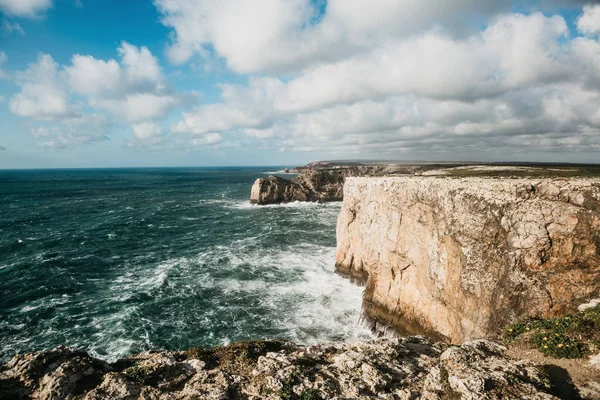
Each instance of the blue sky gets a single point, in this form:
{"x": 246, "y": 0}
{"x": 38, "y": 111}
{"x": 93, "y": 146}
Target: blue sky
{"x": 91, "y": 83}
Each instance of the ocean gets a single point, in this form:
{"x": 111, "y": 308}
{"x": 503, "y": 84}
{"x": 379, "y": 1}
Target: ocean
{"x": 121, "y": 261}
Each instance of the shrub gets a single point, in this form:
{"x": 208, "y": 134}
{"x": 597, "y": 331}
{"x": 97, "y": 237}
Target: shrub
{"x": 572, "y": 336}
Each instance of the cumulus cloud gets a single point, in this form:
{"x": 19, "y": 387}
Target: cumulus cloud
{"x": 134, "y": 89}
{"x": 43, "y": 95}
{"x": 147, "y": 130}
{"x": 589, "y": 22}
{"x": 131, "y": 90}
{"x": 287, "y": 35}
{"x": 521, "y": 83}
{"x": 24, "y": 8}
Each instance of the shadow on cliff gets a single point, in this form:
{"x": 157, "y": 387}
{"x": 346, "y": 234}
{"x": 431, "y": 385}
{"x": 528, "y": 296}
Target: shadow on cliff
{"x": 562, "y": 384}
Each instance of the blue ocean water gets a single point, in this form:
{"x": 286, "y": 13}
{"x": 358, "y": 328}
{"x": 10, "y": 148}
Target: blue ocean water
{"x": 122, "y": 261}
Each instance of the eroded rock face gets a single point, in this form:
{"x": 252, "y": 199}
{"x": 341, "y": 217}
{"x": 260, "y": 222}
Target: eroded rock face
{"x": 273, "y": 190}
{"x": 310, "y": 185}
{"x": 461, "y": 257}
{"x": 409, "y": 368}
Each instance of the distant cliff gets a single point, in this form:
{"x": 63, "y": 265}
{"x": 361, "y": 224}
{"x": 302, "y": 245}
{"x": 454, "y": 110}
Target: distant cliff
{"x": 318, "y": 181}
{"x": 459, "y": 258}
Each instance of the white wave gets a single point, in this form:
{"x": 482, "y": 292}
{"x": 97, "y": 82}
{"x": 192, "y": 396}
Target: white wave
{"x": 246, "y": 205}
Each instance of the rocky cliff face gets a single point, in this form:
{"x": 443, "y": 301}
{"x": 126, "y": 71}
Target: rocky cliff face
{"x": 317, "y": 183}
{"x": 461, "y": 257}
{"x": 409, "y": 368}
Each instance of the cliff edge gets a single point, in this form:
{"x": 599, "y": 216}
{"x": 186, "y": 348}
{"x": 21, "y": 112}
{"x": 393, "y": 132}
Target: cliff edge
{"x": 408, "y": 368}
{"x": 459, "y": 258}
{"x": 319, "y": 182}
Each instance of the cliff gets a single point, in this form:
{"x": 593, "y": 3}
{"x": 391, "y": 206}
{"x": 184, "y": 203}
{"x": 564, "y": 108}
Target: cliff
{"x": 459, "y": 258}
{"x": 317, "y": 182}
{"x": 409, "y": 368}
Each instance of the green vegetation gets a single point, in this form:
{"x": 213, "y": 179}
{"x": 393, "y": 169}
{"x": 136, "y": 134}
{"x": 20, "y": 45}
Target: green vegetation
{"x": 141, "y": 374}
{"x": 238, "y": 354}
{"x": 287, "y": 390}
{"x": 309, "y": 394}
{"x": 573, "y": 336}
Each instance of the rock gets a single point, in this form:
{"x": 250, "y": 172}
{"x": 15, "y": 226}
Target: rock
{"x": 405, "y": 368}
{"x": 314, "y": 183}
{"x": 274, "y": 190}
{"x": 459, "y": 258}
{"x": 590, "y": 304}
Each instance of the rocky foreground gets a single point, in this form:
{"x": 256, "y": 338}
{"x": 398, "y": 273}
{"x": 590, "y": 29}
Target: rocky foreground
{"x": 407, "y": 368}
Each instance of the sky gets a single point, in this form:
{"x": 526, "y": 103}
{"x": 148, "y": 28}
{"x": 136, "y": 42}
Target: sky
{"x": 113, "y": 83}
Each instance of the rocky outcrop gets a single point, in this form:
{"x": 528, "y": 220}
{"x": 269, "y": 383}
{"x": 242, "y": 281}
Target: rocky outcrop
{"x": 317, "y": 182}
{"x": 459, "y": 258}
{"x": 409, "y": 368}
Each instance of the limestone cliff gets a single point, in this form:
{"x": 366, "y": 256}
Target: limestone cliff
{"x": 461, "y": 257}
{"x": 318, "y": 182}
{"x": 408, "y": 368}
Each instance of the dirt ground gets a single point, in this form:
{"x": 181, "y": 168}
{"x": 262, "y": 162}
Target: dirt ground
{"x": 573, "y": 379}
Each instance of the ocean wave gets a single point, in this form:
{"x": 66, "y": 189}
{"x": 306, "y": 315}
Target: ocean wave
{"x": 246, "y": 205}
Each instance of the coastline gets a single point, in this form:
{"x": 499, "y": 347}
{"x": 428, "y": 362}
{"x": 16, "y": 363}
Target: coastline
{"x": 283, "y": 370}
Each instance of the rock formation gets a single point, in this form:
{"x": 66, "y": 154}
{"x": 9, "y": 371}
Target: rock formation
{"x": 409, "y": 368}
{"x": 459, "y": 258}
{"x": 317, "y": 182}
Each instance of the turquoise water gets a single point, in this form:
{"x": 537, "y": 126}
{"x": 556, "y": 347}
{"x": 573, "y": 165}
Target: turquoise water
{"x": 122, "y": 261}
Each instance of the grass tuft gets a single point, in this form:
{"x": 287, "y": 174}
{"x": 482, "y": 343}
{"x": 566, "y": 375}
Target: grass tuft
{"x": 572, "y": 336}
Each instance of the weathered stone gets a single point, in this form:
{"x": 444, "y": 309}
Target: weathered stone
{"x": 316, "y": 183}
{"x": 462, "y": 257}
{"x": 408, "y": 368}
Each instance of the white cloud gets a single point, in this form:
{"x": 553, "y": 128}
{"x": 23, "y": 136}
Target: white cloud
{"x": 11, "y": 27}
{"x": 3, "y": 59}
{"x": 83, "y": 129}
{"x": 42, "y": 94}
{"x": 589, "y": 22}
{"x": 147, "y": 131}
{"x": 25, "y": 8}
{"x": 87, "y": 75}
{"x": 519, "y": 81}
{"x": 131, "y": 90}
{"x": 134, "y": 89}
{"x": 139, "y": 106}
{"x": 515, "y": 51}
{"x": 207, "y": 139}
{"x": 141, "y": 66}
{"x": 279, "y": 34}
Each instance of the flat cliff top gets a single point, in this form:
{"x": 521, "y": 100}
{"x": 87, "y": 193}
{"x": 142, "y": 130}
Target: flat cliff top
{"x": 496, "y": 190}
{"x": 547, "y": 170}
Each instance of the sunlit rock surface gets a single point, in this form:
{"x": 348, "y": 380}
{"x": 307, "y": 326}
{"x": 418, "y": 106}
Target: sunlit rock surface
{"x": 459, "y": 258}
{"x": 410, "y": 368}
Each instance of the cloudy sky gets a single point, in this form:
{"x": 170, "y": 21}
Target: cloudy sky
{"x": 102, "y": 83}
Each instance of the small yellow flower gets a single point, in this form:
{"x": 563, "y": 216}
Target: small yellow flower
{"x": 545, "y": 338}
{"x": 545, "y": 346}
{"x": 527, "y": 328}
{"x": 510, "y": 330}
{"x": 560, "y": 345}
{"x": 556, "y": 334}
